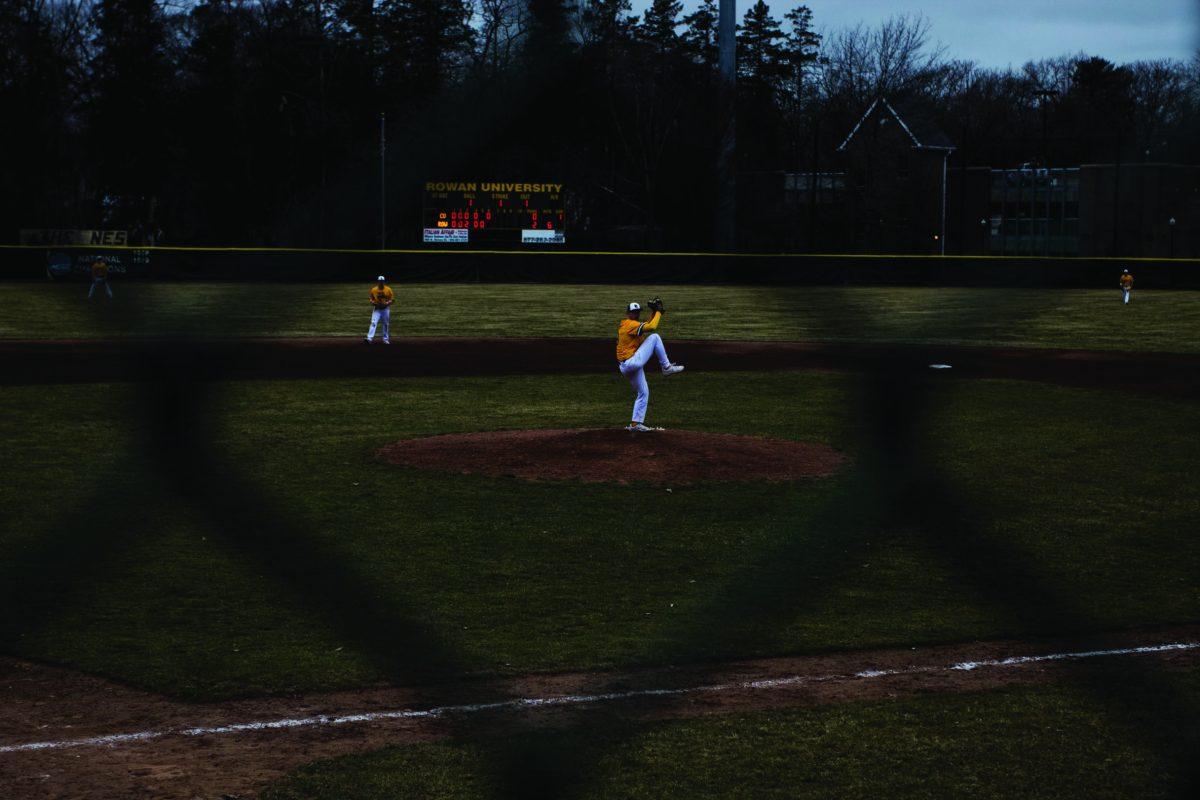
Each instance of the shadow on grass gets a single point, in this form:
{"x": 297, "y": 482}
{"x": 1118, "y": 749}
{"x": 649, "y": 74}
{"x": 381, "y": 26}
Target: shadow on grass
{"x": 897, "y": 484}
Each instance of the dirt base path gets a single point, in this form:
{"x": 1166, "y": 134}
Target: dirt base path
{"x": 86, "y": 361}
{"x": 152, "y": 747}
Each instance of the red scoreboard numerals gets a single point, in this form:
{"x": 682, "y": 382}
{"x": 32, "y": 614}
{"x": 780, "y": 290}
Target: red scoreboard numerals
{"x": 493, "y": 214}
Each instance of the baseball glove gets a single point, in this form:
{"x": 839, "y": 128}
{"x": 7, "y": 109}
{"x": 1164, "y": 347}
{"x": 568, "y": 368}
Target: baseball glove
{"x": 656, "y": 305}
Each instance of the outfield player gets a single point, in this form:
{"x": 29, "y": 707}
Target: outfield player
{"x": 100, "y": 277}
{"x": 636, "y": 343}
{"x": 381, "y": 315}
{"x": 1126, "y": 285}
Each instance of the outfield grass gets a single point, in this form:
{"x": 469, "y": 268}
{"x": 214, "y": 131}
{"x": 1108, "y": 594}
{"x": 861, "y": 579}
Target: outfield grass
{"x": 1045, "y": 742}
{"x": 1093, "y": 319}
{"x": 1088, "y": 496}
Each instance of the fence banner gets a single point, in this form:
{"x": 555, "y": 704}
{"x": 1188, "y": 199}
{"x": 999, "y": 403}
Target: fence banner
{"x": 78, "y": 263}
{"x": 447, "y": 235}
{"x": 532, "y": 236}
{"x": 62, "y": 236}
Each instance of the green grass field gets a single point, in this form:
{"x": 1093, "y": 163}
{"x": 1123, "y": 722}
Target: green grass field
{"x": 1092, "y": 319}
{"x": 296, "y": 561}
{"x": 992, "y": 745}
{"x": 508, "y": 572}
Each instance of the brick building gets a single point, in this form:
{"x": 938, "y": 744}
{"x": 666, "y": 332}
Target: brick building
{"x": 895, "y": 188}
{"x": 896, "y": 167}
{"x": 1138, "y": 210}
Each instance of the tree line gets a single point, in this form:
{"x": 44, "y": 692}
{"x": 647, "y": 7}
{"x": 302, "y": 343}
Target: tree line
{"x": 258, "y": 123}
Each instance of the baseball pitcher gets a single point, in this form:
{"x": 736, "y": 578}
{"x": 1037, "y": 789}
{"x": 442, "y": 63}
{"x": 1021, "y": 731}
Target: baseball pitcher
{"x": 381, "y": 315}
{"x": 636, "y": 343}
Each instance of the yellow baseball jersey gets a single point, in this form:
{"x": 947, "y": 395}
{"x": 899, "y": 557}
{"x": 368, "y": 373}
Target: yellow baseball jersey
{"x": 631, "y": 334}
{"x": 381, "y": 297}
{"x": 99, "y": 271}
{"x": 1126, "y": 281}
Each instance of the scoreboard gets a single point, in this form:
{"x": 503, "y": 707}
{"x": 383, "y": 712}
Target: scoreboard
{"x": 494, "y": 212}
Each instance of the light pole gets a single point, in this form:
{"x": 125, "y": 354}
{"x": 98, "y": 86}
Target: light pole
{"x": 942, "y": 232}
{"x": 1044, "y": 96}
{"x": 726, "y": 239}
{"x": 383, "y": 180}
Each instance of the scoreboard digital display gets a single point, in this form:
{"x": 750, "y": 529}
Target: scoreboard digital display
{"x": 493, "y": 211}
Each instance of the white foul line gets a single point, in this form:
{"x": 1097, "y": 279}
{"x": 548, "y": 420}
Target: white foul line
{"x": 577, "y": 699}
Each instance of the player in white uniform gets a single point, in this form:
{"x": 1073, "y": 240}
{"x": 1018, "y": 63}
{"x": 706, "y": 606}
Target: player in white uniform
{"x": 636, "y": 343}
{"x": 381, "y": 316}
{"x": 100, "y": 277}
{"x": 1126, "y": 285}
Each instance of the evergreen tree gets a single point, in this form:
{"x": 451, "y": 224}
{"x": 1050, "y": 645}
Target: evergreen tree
{"x": 800, "y": 49}
{"x": 424, "y": 43}
{"x": 550, "y": 21}
{"x": 606, "y": 22}
{"x": 659, "y": 24}
{"x": 41, "y": 67}
{"x": 700, "y": 34}
{"x": 761, "y": 54}
{"x": 1100, "y": 107}
{"x": 218, "y": 197}
{"x": 762, "y": 75}
{"x": 130, "y": 109}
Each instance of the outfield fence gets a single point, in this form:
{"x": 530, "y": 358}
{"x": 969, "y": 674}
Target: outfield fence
{"x": 19, "y": 262}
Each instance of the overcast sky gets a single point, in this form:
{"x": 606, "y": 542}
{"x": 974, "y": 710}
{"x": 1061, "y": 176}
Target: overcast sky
{"x": 1004, "y": 32}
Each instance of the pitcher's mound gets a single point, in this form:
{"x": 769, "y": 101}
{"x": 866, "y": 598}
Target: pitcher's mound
{"x": 617, "y": 456}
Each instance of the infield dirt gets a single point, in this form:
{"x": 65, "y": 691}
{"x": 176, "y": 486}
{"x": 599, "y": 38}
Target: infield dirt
{"x": 674, "y": 457}
{"x": 84, "y": 361}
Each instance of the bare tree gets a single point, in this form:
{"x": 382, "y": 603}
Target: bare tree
{"x": 502, "y": 27}
{"x": 1052, "y": 74}
{"x": 862, "y": 63}
{"x": 1164, "y": 93}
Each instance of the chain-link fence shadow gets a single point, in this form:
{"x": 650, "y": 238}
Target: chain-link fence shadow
{"x": 898, "y": 482}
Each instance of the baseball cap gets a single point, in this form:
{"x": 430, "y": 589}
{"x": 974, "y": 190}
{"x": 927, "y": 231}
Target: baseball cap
{"x": 380, "y": 278}
{"x": 634, "y": 307}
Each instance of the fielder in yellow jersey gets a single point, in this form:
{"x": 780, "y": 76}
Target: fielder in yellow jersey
{"x": 100, "y": 277}
{"x": 1126, "y": 285}
{"x": 636, "y": 342}
{"x": 381, "y": 317}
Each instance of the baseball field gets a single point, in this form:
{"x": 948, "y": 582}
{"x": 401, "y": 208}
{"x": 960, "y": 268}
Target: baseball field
{"x": 236, "y": 559}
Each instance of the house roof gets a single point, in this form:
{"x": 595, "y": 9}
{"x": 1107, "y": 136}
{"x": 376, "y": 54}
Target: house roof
{"x": 924, "y": 134}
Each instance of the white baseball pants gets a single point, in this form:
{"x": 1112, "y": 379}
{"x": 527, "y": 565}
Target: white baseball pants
{"x": 380, "y": 318}
{"x": 100, "y": 282}
{"x": 632, "y": 368}
{"x": 1126, "y": 291}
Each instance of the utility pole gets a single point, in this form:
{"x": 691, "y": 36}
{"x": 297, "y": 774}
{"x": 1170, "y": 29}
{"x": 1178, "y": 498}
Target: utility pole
{"x": 1116, "y": 223}
{"x": 321, "y": 119}
{"x": 383, "y": 180}
{"x": 1044, "y": 95}
{"x": 942, "y": 233}
{"x": 814, "y": 170}
{"x": 726, "y": 222}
